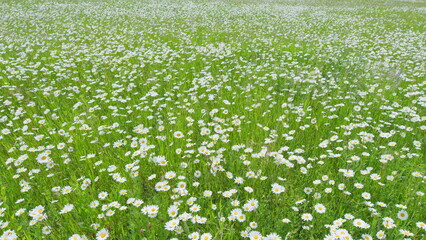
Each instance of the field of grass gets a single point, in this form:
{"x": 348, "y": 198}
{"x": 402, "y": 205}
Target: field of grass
{"x": 221, "y": 119}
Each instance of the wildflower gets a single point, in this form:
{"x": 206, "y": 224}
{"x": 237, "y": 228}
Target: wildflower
{"x": 150, "y": 210}
{"x": 277, "y": 189}
{"x": 403, "y": 215}
{"x": 178, "y": 134}
{"x": 381, "y": 234}
{"x": 406, "y": 233}
{"x": 46, "y": 230}
{"x": 75, "y": 237}
{"x": 102, "y": 234}
{"x": 273, "y": 236}
{"x": 172, "y": 224}
{"x": 255, "y": 235}
{"x": 421, "y": 225}
{"x": 366, "y": 195}
{"x": 102, "y": 195}
{"x": 206, "y": 236}
{"x": 307, "y": 217}
{"x": 67, "y": 208}
{"x": 366, "y": 237}
{"x": 320, "y": 208}
{"x": 172, "y": 211}
{"x": 194, "y": 236}
{"x": 360, "y": 223}
{"x": 286, "y": 220}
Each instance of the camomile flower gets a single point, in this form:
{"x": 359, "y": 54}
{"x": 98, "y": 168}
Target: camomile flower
{"x": 401, "y": 206}
{"x": 273, "y": 236}
{"x": 102, "y": 234}
{"x": 255, "y": 235}
{"x": 195, "y": 208}
{"x": 20, "y": 211}
{"x": 375, "y": 176}
{"x": 75, "y": 237}
{"x": 46, "y": 230}
{"x": 320, "y": 208}
{"x": 360, "y": 223}
{"x": 194, "y": 236}
{"x": 329, "y": 237}
{"x": 253, "y": 203}
{"x": 277, "y": 189}
{"x": 169, "y": 175}
{"x": 239, "y": 180}
{"x": 109, "y": 213}
{"x": 308, "y": 190}
{"x": 366, "y": 195}
{"x": 417, "y": 143}
{"x": 307, "y": 217}
{"x": 253, "y": 225}
{"x": 102, "y": 195}
{"x": 172, "y": 211}
{"x": 5, "y": 131}
{"x": 178, "y": 134}
{"x": 381, "y": 234}
{"x": 61, "y": 145}
{"x": 150, "y": 210}
{"x": 366, "y": 237}
{"x": 207, "y": 193}
{"x": 43, "y": 158}
{"x": 406, "y": 233}
{"x": 285, "y": 220}
{"x": 40, "y": 217}
{"x": 388, "y": 224}
{"x": 172, "y": 224}
{"x": 421, "y": 225}
{"x": 403, "y": 215}
{"x": 67, "y": 208}
{"x": 66, "y": 190}
{"x": 206, "y": 236}
{"x": 241, "y": 217}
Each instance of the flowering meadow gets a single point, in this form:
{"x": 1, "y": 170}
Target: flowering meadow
{"x": 224, "y": 119}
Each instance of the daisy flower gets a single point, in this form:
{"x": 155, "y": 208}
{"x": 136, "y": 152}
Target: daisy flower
{"x": 307, "y": 217}
{"x": 102, "y": 234}
{"x": 403, "y": 215}
{"x": 178, "y": 134}
{"x": 320, "y": 208}
{"x": 67, "y": 208}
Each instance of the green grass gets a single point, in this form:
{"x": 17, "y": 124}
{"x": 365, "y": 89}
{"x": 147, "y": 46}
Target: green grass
{"x": 278, "y": 77}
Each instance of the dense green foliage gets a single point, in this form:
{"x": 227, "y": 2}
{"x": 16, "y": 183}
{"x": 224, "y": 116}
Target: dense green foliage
{"x": 212, "y": 120}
